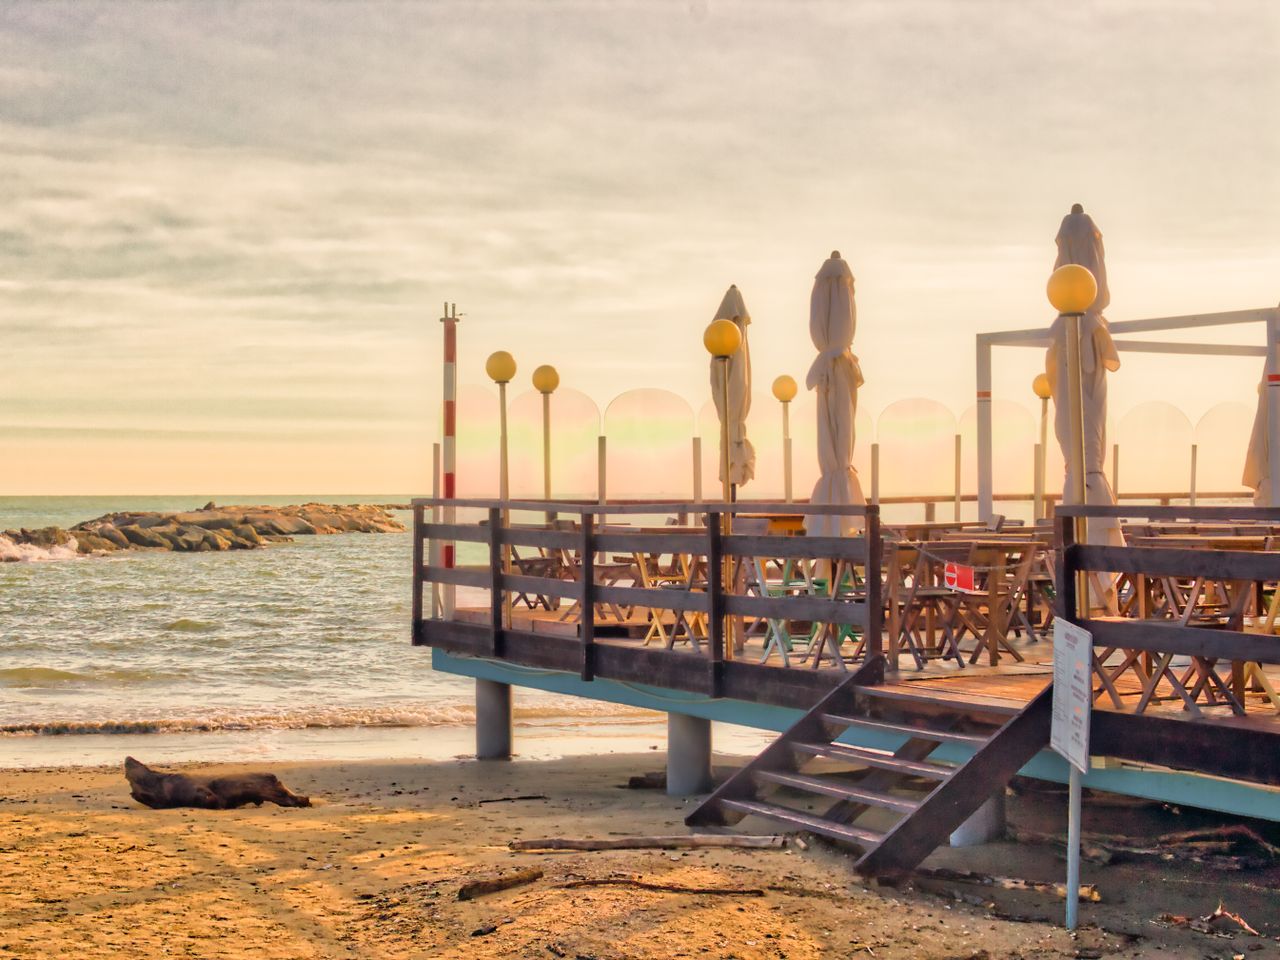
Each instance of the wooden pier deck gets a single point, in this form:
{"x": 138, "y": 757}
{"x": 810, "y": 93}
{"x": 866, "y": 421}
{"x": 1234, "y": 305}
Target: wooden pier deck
{"x": 1186, "y": 666}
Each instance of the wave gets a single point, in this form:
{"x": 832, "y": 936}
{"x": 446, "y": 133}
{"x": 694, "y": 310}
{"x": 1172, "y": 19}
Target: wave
{"x": 183, "y": 625}
{"x": 433, "y": 715}
{"x": 44, "y": 677}
{"x": 11, "y": 552}
{"x": 37, "y": 676}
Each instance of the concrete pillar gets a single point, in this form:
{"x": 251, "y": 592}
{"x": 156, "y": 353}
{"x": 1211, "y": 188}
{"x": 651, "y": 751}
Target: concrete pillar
{"x": 987, "y": 824}
{"x": 688, "y": 755}
{"x": 493, "y": 720}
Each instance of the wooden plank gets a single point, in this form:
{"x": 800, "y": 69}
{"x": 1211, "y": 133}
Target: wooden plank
{"x": 652, "y": 543}
{"x": 654, "y": 599}
{"x": 761, "y": 683}
{"x": 1167, "y": 637}
{"x": 827, "y": 787}
{"x": 1179, "y": 562}
{"x": 466, "y": 532}
{"x": 657, "y": 668}
{"x": 497, "y": 600}
{"x": 853, "y": 612}
{"x": 416, "y": 613}
{"x": 716, "y": 598}
{"x": 842, "y": 548}
{"x": 916, "y": 836}
{"x": 453, "y": 636}
{"x": 544, "y": 650}
{"x": 588, "y": 594}
{"x": 875, "y": 586}
{"x": 927, "y": 698}
{"x": 1235, "y": 749}
{"x": 544, "y": 539}
{"x": 459, "y": 576}
{"x": 906, "y": 729}
{"x": 805, "y": 821}
{"x": 547, "y": 586}
{"x": 1244, "y": 513}
{"x": 870, "y": 758}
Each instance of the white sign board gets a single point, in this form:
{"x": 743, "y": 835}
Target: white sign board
{"x": 1072, "y": 693}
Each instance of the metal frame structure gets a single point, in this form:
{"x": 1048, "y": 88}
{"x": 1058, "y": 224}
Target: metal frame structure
{"x": 1040, "y": 338}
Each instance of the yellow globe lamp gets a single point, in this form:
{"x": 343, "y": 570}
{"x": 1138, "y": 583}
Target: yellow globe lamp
{"x": 545, "y": 379}
{"x": 1040, "y": 386}
{"x": 1072, "y": 289}
{"x": 722, "y": 338}
{"x": 784, "y": 389}
{"x": 501, "y": 367}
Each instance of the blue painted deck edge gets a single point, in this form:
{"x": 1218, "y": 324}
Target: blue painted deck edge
{"x": 1168, "y": 786}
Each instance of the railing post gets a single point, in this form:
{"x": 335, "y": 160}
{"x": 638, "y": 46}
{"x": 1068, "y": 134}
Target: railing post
{"x": 1068, "y": 601}
{"x": 715, "y": 589}
{"x": 875, "y": 594}
{"x": 496, "y": 605}
{"x": 588, "y": 601}
{"x": 930, "y": 511}
{"x": 417, "y": 573}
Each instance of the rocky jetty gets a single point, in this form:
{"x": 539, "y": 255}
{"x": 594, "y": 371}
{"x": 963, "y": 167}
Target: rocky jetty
{"x": 208, "y": 529}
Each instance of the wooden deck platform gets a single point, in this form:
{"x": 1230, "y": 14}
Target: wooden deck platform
{"x": 1008, "y": 684}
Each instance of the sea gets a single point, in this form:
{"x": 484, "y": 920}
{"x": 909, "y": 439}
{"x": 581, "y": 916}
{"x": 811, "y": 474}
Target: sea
{"x": 297, "y": 651}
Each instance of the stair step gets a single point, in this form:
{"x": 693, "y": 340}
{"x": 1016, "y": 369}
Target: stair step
{"x": 921, "y": 733}
{"x": 806, "y": 821}
{"x": 899, "y": 695}
{"x": 842, "y": 791}
{"x": 869, "y": 758}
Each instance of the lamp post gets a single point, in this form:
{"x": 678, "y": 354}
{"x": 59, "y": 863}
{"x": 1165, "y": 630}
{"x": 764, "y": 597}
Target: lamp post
{"x": 784, "y": 389}
{"x": 1072, "y": 290}
{"x": 545, "y": 381}
{"x": 1040, "y": 387}
{"x": 722, "y": 339}
{"x": 501, "y": 368}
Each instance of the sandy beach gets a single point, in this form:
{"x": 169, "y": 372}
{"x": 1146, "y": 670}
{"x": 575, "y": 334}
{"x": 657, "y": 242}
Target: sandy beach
{"x": 373, "y": 870}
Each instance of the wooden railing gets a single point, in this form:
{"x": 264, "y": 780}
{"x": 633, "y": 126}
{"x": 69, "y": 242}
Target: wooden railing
{"x": 1195, "y": 621}
{"x": 705, "y": 598}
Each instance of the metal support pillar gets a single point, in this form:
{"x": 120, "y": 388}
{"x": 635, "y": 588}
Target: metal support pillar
{"x": 688, "y": 755}
{"x": 494, "y": 731}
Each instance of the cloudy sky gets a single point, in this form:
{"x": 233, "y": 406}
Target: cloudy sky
{"x": 226, "y": 229}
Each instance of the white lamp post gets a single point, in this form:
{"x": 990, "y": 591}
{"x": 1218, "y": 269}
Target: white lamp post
{"x": 545, "y": 381}
{"x": 784, "y": 389}
{"x": 722, "y": 339}
{"x": 1040, "y": 387}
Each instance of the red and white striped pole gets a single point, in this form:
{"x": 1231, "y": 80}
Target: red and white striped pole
{"x": 450, "y": 450}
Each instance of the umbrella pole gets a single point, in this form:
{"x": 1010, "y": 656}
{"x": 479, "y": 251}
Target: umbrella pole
{"x": 1075, "y": 388}
{"x": 727, "y": 494}
{"x": 786, "y": 450}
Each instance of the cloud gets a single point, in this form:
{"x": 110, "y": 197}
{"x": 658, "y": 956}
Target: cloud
{"x": 258, "y": 206}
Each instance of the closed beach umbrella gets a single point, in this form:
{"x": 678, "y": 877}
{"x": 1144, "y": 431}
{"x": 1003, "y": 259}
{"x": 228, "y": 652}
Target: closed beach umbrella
{"x": 1080, "y": 242}
{"x": 1257, "y": 461}
{"x": 737, "y": 369}
{"x": 836, "y": 376}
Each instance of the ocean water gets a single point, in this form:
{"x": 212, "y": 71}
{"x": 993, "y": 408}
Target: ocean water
{"x": 278, "y": 652}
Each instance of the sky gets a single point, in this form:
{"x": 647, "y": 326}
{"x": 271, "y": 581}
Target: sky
{"x": 227, "y": 229}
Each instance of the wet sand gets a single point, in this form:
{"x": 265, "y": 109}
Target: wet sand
{"x": 373, "y": 870}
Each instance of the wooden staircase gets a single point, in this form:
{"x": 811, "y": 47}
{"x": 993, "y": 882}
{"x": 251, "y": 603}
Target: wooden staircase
{"x": 894, "y": 807}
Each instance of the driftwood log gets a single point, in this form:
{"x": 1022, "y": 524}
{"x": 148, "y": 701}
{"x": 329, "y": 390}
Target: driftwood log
{"x": 164, "y": 790}
{"x": 650, "y": 843}
{"x": 479, "y": 888}
{"x": 663, "y": 887}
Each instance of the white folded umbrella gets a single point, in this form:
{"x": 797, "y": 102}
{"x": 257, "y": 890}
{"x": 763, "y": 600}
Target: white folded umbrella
{"x": 742, "y": 456}
{"x": 836, "y": 376}
{"x": 1080, "y": 241}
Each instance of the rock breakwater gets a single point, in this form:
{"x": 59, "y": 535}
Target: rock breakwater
{"x": 211, "y": 528}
